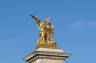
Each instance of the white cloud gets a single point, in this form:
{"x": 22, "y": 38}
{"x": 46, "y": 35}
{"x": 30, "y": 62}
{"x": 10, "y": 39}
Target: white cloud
{"x": 84, "y": 23}
{"x": 81, "y": 26}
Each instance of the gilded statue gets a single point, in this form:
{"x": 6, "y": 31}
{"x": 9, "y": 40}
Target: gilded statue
{"x": 46, "y": 33}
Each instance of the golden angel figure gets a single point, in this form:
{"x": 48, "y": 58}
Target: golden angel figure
{"x": 46, "y": 30}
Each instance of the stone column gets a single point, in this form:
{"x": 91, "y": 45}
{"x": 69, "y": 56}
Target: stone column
{"x": 47, "y": 55}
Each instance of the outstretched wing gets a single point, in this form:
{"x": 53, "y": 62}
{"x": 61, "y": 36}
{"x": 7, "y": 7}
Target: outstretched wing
{"x": 37, "y": 20}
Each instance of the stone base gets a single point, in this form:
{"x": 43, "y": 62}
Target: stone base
{"x": 44, "y": 60}
{"x": 46, "y": 55}
{"x": 49, "y": 50}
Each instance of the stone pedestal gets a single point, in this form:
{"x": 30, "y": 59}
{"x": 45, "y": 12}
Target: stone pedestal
{"x": 47, "y": 55}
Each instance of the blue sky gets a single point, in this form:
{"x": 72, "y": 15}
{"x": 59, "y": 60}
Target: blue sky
{"x": 75, "y": 28}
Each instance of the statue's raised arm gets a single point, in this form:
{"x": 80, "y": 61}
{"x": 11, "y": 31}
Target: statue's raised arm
{"x": 38, "y": 21}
